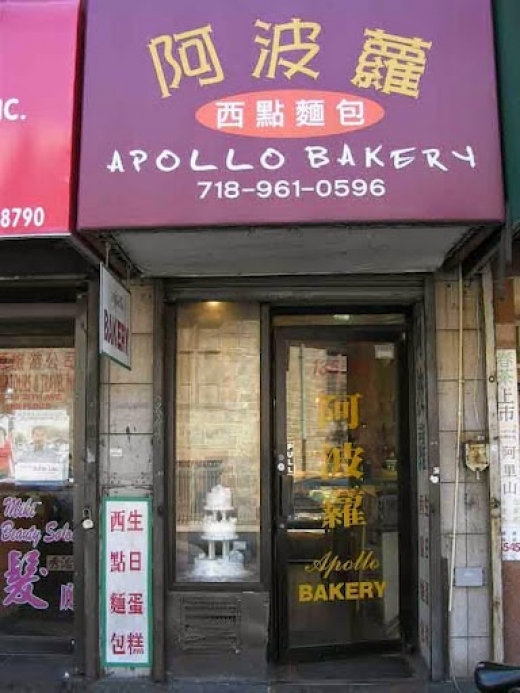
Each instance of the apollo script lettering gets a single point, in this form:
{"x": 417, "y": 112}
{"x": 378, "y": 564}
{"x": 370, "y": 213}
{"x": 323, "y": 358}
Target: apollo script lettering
{"x": 331, "y": 563}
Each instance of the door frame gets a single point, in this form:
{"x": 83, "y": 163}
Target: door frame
{"x": 396, "y": 334}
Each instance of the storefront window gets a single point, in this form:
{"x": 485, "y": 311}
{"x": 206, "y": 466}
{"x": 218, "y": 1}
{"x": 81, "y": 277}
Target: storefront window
{"x": 36, "y": 477}
{"x": 218, "y": 442}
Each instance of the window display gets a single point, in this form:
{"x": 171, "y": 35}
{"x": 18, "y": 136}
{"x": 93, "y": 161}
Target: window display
{"x": 217, "y": 472}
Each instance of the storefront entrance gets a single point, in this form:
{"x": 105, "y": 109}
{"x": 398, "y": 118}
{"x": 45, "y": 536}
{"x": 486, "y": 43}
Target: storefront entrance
{"x": 343, "y": 575}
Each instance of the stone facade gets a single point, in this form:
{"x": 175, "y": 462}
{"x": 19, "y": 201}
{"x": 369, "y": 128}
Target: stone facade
{"x": 469, "y": 620}
{"x": 127, "y": 418}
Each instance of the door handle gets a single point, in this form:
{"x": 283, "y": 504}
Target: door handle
{"x": 292, "y": 530}
{"x": 290, "y": 459}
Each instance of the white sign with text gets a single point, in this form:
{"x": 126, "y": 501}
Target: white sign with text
{"x": 508, "y": 433}
{"x": 114, "y": 320}
{"x": 126, "y": 582}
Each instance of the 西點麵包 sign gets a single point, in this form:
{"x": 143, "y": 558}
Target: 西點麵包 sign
{"x": 114, "y": 319}
{"x": 348, "y": 111}
{"x": 126, "y": 585}
{"x": 38, "y": 42}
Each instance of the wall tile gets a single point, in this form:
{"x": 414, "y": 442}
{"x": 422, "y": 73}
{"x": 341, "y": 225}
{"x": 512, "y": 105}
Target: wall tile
{"x": 478, "y": 650}
{"x": 478, "y": 611}
{"x": 447, "y": 393}
{"x": 459, "y": 613}
{"x": 475, "y": 415}
{"x": 478, "y": 550}
{"x": 476, "y": 503}
{"x": 130, "y": 409}
{"x": 447, "y": 456}
{"x": 142, "y": 362}
{"x": 460, "y": 549}
{"x": 473, "y": 404}
{"x": 447, "y": 305}
{"x": 448, "y": 355}
{"x": 459, "y": 656}
{"x": 126, "y": 461}
{"x": 142, "y": 308}
{"x": 447, "y": 494}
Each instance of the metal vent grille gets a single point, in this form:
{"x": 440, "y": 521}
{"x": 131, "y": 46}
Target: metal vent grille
{"x": 210, "y": 623}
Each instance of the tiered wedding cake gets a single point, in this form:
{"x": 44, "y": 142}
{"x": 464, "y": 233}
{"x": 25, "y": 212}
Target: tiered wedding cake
{"x": 218, "y": 527}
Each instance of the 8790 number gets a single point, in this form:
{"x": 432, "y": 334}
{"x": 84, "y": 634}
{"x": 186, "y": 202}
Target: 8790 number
{"x": 17, "y": 217}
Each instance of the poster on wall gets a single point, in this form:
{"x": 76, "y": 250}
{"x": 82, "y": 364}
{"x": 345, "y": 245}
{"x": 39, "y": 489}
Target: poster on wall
{"x": 126, "y": 580}
{"x": 36, "y": 395}
{"x": 294, "y": 112}
{"x": 508, "y": 434}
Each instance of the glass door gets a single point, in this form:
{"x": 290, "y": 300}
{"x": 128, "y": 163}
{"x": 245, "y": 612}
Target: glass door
{"x": 36, "y": 493}
{"x": 338, "y": 462}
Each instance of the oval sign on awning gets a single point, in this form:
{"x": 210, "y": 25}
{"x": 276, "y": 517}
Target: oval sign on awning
{"x": 287, "y": 113}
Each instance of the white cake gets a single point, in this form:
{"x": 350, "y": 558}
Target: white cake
{"x": 219, "y": 498}
{"x": 219, "y": 528}
{"x": 230, "y": 566}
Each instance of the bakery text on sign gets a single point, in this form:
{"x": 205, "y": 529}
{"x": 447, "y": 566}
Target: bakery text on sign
{"x": 328, "y": 591}
{"x": 115, "y": 332}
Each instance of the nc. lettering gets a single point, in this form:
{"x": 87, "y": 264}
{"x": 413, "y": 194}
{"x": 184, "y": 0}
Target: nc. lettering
{"x": 10, "y": 110}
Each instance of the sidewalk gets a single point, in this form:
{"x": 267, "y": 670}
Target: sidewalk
{"x": 53, "y": 674}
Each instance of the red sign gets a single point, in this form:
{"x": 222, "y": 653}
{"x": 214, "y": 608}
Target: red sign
{"x": 38, "y": 42}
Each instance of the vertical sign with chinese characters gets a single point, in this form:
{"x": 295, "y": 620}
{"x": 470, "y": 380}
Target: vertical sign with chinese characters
{"x": 508, "y": 431}
{"x": 127, "y": 597}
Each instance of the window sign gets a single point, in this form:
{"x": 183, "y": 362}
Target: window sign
{"x": 36, "y": 476}
{"x": 36, "y": 391}
{"x": 127, "y": 598}
{"x": 114, "y": 319}
{"x": 508, "y": 432}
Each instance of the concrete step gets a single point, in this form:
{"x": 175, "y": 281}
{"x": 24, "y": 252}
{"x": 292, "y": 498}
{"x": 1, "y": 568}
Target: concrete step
{"x": 250, "y": 686}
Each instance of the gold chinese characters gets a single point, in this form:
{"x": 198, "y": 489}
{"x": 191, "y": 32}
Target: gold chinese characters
{"x": 388, "y": 63}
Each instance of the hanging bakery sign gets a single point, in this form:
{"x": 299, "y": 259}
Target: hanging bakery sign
{"x": 114, "y": 319}
{"x": 344, "y": 111}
